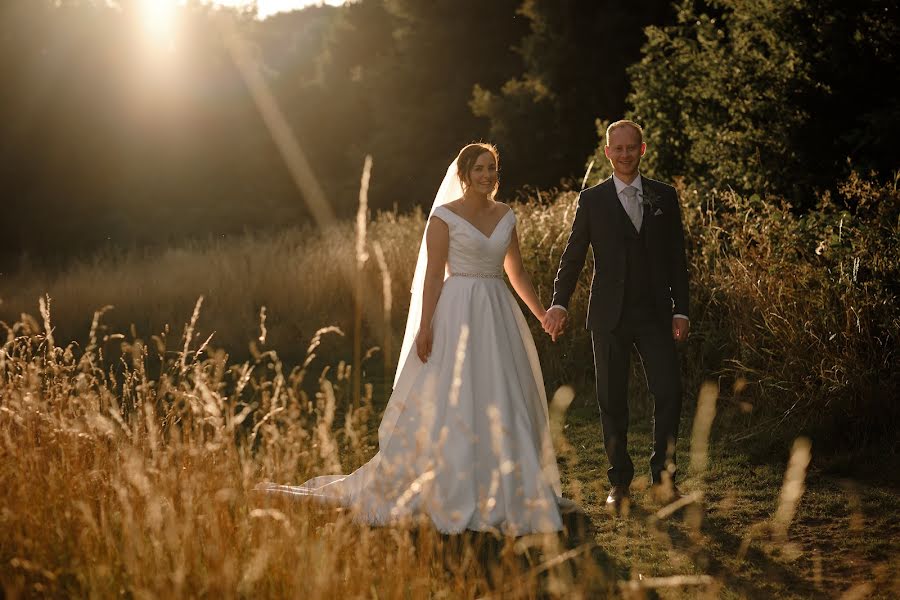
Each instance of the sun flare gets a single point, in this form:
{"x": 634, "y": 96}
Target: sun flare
{"x": 158, "y": 19}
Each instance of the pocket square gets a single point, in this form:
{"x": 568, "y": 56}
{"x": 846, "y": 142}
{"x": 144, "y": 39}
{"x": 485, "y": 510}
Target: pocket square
{"x": 658, "y": 212}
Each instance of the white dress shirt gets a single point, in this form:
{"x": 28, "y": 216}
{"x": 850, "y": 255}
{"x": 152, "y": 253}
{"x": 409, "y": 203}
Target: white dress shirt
{"x": 620, "y": 188}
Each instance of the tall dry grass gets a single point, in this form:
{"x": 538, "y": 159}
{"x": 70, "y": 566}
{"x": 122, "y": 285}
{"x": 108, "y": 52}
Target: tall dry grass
{"x": 797, "y": 314}
{"x": 127, "y": 459}
{"x": 296, "y": 274}
{"x": 116, "y": 483}
{"x": 800, "y": 313}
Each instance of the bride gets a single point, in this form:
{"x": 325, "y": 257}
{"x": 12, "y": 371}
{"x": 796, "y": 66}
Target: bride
{"x": 465, "y": 438}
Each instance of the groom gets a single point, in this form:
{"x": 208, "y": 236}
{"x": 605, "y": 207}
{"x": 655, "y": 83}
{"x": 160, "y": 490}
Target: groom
{"x": 639, "y": 296}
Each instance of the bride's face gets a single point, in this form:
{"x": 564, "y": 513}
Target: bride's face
{"x": 483, "y": 174}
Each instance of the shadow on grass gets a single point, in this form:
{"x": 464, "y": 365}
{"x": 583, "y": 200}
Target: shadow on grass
{"x": 758, "y": 576}
{"x": 499, "y": 565}
{"x": 576, "y": 560}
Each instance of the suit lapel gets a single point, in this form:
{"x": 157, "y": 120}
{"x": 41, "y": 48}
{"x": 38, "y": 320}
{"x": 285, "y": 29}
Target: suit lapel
{"x": 616, "y": 210}
{"x": 649, "y": 221}
{"x": 617, "y": 213}
{"x": 648, "y": 191}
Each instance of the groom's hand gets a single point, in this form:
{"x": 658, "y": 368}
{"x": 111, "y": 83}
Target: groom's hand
{"x": 555, "y": 322}
{"x": 680, "y": 328}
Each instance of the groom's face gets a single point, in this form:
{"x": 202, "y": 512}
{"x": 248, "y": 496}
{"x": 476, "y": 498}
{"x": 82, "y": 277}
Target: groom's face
{"x": 624, "y": 150}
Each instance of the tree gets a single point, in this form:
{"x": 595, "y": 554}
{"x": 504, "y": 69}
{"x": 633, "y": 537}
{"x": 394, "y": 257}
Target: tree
{"x": 422, "y": 115}
{"x": 769, "y": 95}
{"x": 394, "y": 81}
{"x": 110, "y": 137}
{"x": 575, "y": 59}
{"x": 334, "y": 112}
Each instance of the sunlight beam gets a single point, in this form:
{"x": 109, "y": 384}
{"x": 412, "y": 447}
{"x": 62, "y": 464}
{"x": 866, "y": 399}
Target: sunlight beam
{"x": 157, "y": 18}
{"x": 267, "y": 8}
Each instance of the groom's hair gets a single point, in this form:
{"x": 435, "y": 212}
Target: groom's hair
{"x": 623, "y": 123}
{"x": 468, "y": 156}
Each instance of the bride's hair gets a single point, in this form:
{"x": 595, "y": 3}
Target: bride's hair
{"x": 467, "y": 158}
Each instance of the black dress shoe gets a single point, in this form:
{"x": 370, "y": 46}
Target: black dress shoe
{"x": 618, "y": 498}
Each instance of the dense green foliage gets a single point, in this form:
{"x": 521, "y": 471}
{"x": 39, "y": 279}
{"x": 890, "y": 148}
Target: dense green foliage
{"x": 770, "y": 96}
{"x": 575, "y": 56}
{"x": 395, "y": 80}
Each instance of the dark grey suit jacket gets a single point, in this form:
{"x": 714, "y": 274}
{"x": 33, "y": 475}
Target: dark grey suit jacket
{"x": 601, "y": 221}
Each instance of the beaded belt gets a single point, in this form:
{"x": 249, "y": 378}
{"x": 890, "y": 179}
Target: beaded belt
{"x": 481, "y": 275}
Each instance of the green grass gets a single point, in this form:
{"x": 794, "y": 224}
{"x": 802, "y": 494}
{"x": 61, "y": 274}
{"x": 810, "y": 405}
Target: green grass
{"x": 845, "y": 535}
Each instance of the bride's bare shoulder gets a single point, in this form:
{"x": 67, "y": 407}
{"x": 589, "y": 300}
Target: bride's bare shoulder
{"x": 453, "y": 206}
{"x": 501, "y": 208}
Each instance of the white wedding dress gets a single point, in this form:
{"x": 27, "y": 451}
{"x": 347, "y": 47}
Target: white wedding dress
{"x": 465, "y": 437}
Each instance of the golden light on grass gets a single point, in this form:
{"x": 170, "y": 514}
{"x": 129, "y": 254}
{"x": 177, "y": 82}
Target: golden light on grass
{"x": 559, "y": 404}
{"x": 154, "y": 500}
{"x": 858, "y": 591}
{"x": 703, "y": 419}
{"x": 263, "y": 332}
{"x": 793, "y": 487}
{"x": 362, "y": 213}
{"x": 362, "y": 257}
{"x": 587, "y": 173}
{"x": 668, "y": 510}
{"x": 637, "y": 588}
{"x": 44, "y": 305}
{"x": 328, "y": 448}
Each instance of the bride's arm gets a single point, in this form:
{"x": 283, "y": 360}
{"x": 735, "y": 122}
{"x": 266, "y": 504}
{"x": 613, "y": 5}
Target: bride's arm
{"x": 437, "y": 243}
{"x": 519, "y": 278}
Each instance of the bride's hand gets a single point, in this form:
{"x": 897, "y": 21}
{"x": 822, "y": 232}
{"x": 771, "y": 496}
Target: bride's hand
{"x": 423, "y": 344}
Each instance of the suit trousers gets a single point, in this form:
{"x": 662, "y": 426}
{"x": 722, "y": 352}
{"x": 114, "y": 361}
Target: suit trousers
{"x": 638, "y": 327}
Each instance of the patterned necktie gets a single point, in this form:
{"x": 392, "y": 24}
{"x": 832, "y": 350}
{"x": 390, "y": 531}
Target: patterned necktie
{"x": 633, "y": 206}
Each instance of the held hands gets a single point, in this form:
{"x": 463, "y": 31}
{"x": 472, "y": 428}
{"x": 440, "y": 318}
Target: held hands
{"x": 680, "y": 328}
{"x": 555, "y": 319}
{"x": 554, "y": 322}
{"x": 424, "y": 340}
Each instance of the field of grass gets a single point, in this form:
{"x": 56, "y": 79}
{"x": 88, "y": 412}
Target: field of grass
{"x": 804, "y": 310}
{"x": 131, "y": 440}
{"x": 116, "y": 483}
{"x": 840, "y": 541}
